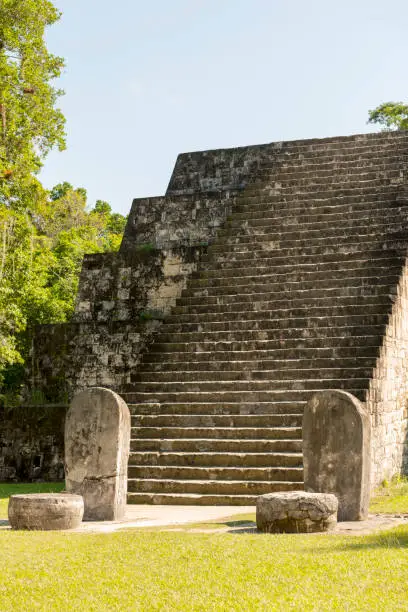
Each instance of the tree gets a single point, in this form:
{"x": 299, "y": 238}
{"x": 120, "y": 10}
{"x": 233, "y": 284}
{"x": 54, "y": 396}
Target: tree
{"x": 30, "y": 123}
{"x": 40, "y": 261}
{"x": 43, "y": 235}
{"x": 390, "y": 115}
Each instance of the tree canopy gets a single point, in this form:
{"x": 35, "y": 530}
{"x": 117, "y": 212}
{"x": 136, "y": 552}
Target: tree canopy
{"x": 390, "y": 116}
{"x": 40, "y": 261}
{"x": 43, "y": 234}
{"x": 30, "y": 123}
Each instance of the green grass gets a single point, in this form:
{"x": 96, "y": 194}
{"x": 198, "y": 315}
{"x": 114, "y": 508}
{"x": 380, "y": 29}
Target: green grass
{"x": 392, "y": 497}
{"x": 33, "y": 487}
{"x": 184, "y": 571}
{"x": 136, "y": 570}
{"x": 235, "y": 521}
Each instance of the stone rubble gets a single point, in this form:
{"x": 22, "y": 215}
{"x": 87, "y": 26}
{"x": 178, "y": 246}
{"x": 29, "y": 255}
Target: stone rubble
{"x": 296, "y": 512}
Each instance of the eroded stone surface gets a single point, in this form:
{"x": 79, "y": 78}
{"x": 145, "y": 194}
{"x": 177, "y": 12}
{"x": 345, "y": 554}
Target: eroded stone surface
{"x": 97, "y": 438}
{"x": 45, "y": 511}
{"x": 336, "y": 451}
{"x": 276, "y": 324}
{"x": 296, "y": 512}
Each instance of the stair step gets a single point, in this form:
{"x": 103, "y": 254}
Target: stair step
{"x": 237, "y": 408}
{"x": 269, "y": 278}
{"x": 356, "y": 173}
{"x": 328, "y": 147}
{"x": 295, "y": 207}
{"x": 271, "y": 243}
{"x": 272, "y": 259}
{"x": 224, "y": 433}
{"x": 280, "y": 395}
{"x": 267, "y": 365}
{"x": 318, "y": 192}
{"x": 288, "y": 235}
{"x": 334, "y": 212}
{"x": 205, "y": 459}
{"x": 219, "y": 474}
{"x": 210, "y": 420}
{"x": 216, "y": 445}
{"x": 274, "y": 283}
{"x": 301, "y": 348}
{"x": 264, "y": 310}
{"x": 251, "y": 321}
{"x": 305, "y": 350}
{"x": 220, "y": 271}
{"x": 273, "y": 249}
{"x": 250, "y": 374}
{"x": 340, "y": 169}
{"x": 232, "y": 487}
{"x": 267, "y": 301}
{"x": 315, "y": 220}
{"x": 336, "y": 164}
{"x": 243, "y": 386}
{"x": 286, "y": 186}
{"x": 368, "y": 322}
{"x": 192, "y": 499}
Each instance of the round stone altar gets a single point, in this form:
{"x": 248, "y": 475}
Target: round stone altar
{"x": 296, "y": 512}
{"x": 46, "y": 511}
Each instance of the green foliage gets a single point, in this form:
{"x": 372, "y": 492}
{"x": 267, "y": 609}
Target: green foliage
{"x": 30, "y": 123}
{"x": 41, "y": 254}
{"x": 390, "y": 116}
{"x": 43, "y": 236}
{"x": 145, "y": 248}
{"x": 151, "y": 315}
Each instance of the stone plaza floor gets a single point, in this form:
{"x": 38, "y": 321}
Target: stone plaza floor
{"x": 143, "y": 516}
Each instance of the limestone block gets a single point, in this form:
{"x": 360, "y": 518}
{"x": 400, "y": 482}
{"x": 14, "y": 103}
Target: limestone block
{"x": 45, "y": 511}
{"x": 296, "y": 512}
{"x": 97, "y": 438}
{"x": 336, "y": 451}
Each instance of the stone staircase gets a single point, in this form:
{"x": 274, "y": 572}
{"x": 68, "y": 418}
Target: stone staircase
{"x": 293, "y": 297}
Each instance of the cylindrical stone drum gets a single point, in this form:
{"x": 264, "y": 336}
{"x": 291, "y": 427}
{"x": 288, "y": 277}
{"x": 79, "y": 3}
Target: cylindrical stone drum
{"x": 46, "y": 511}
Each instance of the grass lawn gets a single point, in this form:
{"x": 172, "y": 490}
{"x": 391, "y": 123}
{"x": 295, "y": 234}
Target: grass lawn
{"x": 33, "y": 487}
{"x": 157, "y": 570}
{"x": 391, "y": 498}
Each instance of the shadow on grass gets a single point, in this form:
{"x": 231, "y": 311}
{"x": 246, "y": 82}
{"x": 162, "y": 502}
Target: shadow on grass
{"x": 237, "y": 523}
{"x": 242, "y": 530}
{"x": 395, "y": 538}
{"x": 239, "y": 526}
{"x": 226, "y": 526}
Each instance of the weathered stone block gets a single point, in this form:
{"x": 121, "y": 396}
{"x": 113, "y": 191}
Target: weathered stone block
{"x": 336, "y": 451}
{"x": 97, "y": 438}
{"x": 45, "y": 511}
{"x": 296, "y": 512}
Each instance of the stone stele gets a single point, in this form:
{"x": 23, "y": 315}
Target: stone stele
{"x": 336, "y": 451}
{"x": 45, "y": 511}
{"x": 296, "y": 512}
{"x": 97, "y": 438}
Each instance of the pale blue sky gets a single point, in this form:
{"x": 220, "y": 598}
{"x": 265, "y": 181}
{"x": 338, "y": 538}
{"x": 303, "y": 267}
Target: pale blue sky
{"x": 148, "y": 79}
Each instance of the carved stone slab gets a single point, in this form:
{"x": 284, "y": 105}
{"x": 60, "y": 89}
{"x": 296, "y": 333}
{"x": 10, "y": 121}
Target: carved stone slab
{"x": 97, "y": 438}
{"x": 45, "y": 511}
{"x": 336, "y": 451}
